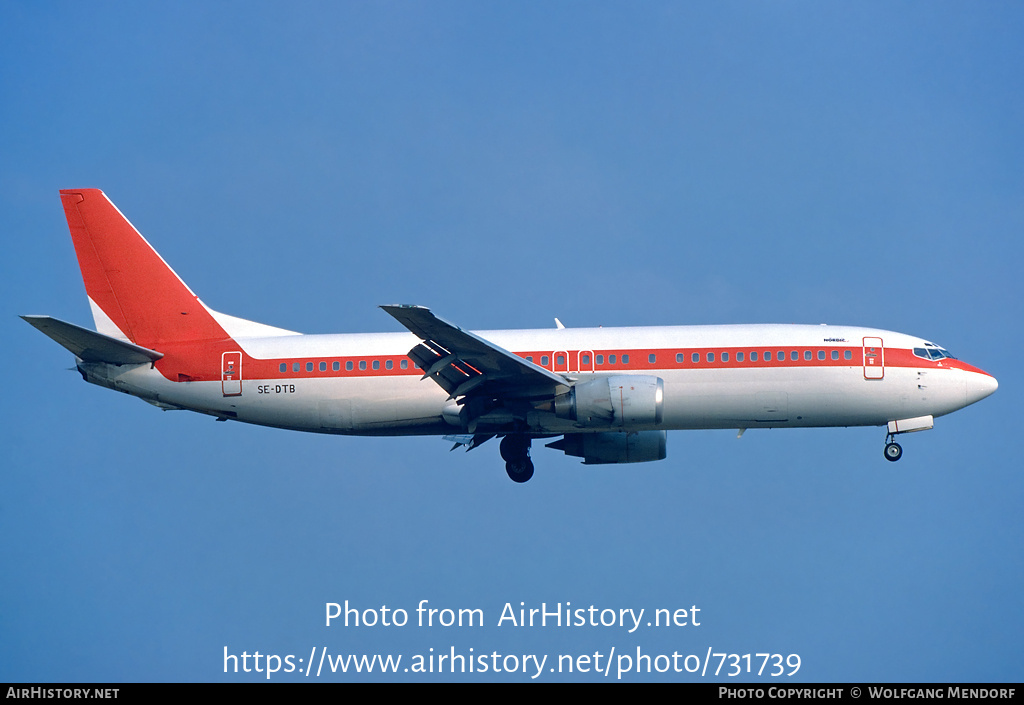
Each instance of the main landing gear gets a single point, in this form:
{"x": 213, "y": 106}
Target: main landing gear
{"x": 515, "y": 451}
{"x": 893, "y": 451}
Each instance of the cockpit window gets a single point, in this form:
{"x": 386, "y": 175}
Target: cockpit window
{"x": 932, "y": 352}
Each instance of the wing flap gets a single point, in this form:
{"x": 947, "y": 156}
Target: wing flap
{"x": 91, "y": 346}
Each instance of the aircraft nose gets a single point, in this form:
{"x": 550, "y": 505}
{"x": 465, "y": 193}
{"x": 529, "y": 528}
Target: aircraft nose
{"x": 979, "y": 386}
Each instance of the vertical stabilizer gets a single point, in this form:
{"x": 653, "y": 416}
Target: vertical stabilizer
{"x": 134, "y": 295}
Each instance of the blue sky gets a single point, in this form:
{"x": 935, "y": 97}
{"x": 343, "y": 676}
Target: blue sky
{"x": 606, "y": 163}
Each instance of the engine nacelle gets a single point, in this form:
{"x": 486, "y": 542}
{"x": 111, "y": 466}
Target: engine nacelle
{"x": 618, "y": 400}
{"x": 613, "y": 446}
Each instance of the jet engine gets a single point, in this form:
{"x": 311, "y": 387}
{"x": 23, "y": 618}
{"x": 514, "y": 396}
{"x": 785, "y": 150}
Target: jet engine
{"x": 618, "y": 400}
{"x": 613, "y": 446}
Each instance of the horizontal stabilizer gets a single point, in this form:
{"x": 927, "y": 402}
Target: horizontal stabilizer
{"x": 91, "y": 346}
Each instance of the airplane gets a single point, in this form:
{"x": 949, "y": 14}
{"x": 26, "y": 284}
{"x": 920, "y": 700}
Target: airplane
{"x": 607, "y": 395}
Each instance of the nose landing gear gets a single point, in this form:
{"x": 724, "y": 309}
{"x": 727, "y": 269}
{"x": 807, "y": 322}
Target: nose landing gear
{"x": 893, "y": 451}
{"x": 515, "y": 451}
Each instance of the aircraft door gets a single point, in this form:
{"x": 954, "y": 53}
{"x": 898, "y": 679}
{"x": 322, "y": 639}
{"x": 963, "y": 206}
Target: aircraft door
{"x": 874, "y": 358}
{"x": 231, "y": 374}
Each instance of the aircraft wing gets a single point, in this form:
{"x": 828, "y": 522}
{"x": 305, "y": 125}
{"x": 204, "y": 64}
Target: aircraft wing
{"x": 463, "y": 363}
{"x": 91, "y": 346}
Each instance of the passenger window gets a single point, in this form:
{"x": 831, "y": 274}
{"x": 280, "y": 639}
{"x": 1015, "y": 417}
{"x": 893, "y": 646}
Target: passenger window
{"x": 725, "y": 357}
{"x": 544, "y": 360}
{"x": 560, "y": 359}
{"x": 323, "y": 366}
{"x": 780, "y": 355}
{"x": 848, "y": 355}
{"x": 611, "y": 359}
{"x": 309, "y": 367}
{"x": 362, "y": 364}
{"x": 388, "y": 364}
{"x": 807, "y": 354}
{"x": 336, "y": 366}
{"x": 835, "y": 354}
{"x": 695, "y": 357}
{"x": 711, "y": 357}
{"x": 679, "y": 358}
{"x": 529, "y": 358}
{"x": 739, "y": 357}
{"x": 625, "y": 359}
{"x": 600, "y": 359}
{"x": 295, "y": 367}
{"x": 652, "y": 358}
{"x": 283, "y": 367}
{"x": 376, "y": 364}
{"x": 753, "y": 355}
{"x": 794, "y": 355}
{"x": 585, "y": 360}
{"x": 348, "y": 365}
{"x": 821, "y": 354}
{"x": 405, "y": 364}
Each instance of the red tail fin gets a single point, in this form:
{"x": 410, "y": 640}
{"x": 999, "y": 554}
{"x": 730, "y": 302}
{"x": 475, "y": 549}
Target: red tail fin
{"x": 127, "y": 281}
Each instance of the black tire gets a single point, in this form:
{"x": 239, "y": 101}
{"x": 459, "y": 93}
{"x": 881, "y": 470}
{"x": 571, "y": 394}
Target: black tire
{"x": 893, "y": 452}
{"x": 514, "y": 447}
{"x": 519, "y": 471}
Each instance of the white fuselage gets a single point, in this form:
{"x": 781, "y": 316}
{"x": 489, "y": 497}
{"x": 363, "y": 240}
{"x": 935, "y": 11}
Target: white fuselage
{"x": 728, "y": 376}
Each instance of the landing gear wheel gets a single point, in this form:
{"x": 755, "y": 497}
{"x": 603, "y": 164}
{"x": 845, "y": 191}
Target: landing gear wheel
{"x": 515, "y": 451}
{"x": 515, "y": 446}
{"x": 893, "y": 452}
{"x": 519, "y": 470}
